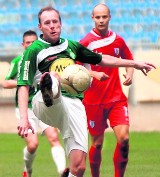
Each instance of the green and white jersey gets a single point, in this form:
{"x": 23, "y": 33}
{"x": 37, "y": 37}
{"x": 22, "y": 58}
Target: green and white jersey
{"x": 12, "y": 74}
{"x": 42, "y": 56}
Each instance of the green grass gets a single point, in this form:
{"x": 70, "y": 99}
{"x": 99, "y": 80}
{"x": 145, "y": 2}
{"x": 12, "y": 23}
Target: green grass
{"x": 144, "y": 158}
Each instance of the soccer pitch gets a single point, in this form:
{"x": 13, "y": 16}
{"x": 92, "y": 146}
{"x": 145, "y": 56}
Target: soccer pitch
{"x": 144, "y": 157}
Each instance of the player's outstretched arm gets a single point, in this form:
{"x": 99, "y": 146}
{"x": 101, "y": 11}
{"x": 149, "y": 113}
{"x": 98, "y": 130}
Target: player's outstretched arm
{"x": 111, "y": 61}
{"x": 145, "y": 67}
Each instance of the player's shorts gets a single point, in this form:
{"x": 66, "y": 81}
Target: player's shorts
{"x": 71, "y": 144}
{"x": 37, "y": 124}
{"x": 97, "y": 115}
{"x": 66, "y": 114}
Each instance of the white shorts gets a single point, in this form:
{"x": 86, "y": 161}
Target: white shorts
{"x": 71, "y": 144}
{"x": 34, "y": 121}
{"x": 66, "y": 114}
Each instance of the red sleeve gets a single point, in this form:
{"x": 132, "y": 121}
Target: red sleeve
{"x": 125, "y": 52}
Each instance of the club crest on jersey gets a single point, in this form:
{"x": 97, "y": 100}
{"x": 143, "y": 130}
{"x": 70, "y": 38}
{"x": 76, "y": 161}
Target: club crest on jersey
{"x": 60, "y": 64}
{"x": 116, "y": 51}
{"x": 92, "y": 123}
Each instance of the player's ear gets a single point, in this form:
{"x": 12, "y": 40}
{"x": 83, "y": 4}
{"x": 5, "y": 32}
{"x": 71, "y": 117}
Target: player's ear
{"x": 92, "y": 17}
{"x": 39, "y": 26}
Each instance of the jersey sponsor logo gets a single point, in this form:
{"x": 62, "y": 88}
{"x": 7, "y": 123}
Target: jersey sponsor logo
{"x": 60, "y": 64}
{"x": 116, "y": 51}
{"x": 92, "y": 123}
{"x": 26, "y": 69}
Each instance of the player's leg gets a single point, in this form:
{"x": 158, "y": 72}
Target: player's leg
{"x": 122, "y": 149}
{"x": 57, "y": 151}
{"x": 119, "y": 121}
{"x": 69, "y": 116}
{"x": 77, "y": 143}
{"x": 31, "y": 143}
{"x": 29, "y": 153}
{"x": 95, "y": 155}
{"x": 96, "y": 126}
{"x": 77, "y": 158}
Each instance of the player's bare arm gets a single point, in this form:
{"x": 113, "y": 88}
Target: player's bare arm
{"x": 145, "y": 67}
{"x": 111, "y": 61}
{"x": 24, "y": 124}
{"x": 9, "y": 84}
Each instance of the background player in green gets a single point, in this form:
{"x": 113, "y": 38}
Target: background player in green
{"x": 51, "y": 104}
{"x": 51, "y": 133}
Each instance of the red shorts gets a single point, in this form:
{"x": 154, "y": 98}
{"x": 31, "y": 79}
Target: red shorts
{"x": 97, "y": 116}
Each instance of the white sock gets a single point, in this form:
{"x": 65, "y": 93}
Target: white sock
{"x": 59, "y": 158}
{"x": 70, "y": 175}
{"x": 55, "y": 85}
{"x": 28, "y": 159}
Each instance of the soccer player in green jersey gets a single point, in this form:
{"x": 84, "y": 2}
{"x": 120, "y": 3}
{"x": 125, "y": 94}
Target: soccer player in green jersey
{"x": 51, "y": 133}
{"x": 42, "y": 64}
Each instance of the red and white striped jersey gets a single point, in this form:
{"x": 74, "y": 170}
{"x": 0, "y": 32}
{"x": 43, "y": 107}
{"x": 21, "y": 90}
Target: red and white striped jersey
{"x": 109, "y": 90}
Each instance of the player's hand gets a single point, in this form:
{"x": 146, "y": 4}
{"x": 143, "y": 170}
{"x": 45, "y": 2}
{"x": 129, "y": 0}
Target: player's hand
{"x": 128, "y": 80}
{"x": 145, "y": 67}
{"x": 101, "y": 76}
{"x": 23, "y": 128}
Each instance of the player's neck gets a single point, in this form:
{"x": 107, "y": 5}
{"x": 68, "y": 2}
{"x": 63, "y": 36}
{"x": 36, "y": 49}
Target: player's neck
{"x": 103, "y": 33}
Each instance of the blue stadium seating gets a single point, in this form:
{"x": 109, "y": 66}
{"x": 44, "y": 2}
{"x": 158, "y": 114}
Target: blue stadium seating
{"x": 136, "y": 21}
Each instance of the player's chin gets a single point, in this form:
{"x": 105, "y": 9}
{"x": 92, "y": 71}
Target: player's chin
{"x": 102, "y": 26}
{"x": 54, "y": 36}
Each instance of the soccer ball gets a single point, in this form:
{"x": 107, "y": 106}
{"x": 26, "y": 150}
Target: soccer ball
{"x": 75, "y": 79}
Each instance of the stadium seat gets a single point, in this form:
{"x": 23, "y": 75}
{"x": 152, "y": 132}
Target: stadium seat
{"x": 134, "y": 20}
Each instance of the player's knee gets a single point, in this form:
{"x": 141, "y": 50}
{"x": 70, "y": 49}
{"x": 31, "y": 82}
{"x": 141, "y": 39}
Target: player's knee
{"x": 53, "y": 140}
{"x": 79, "y": 170}
{"x": 125, "y": 141}
{"x": 98, "y": 144}
{"x": 52, "y": 136}
{"x": 32, "y": 146}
